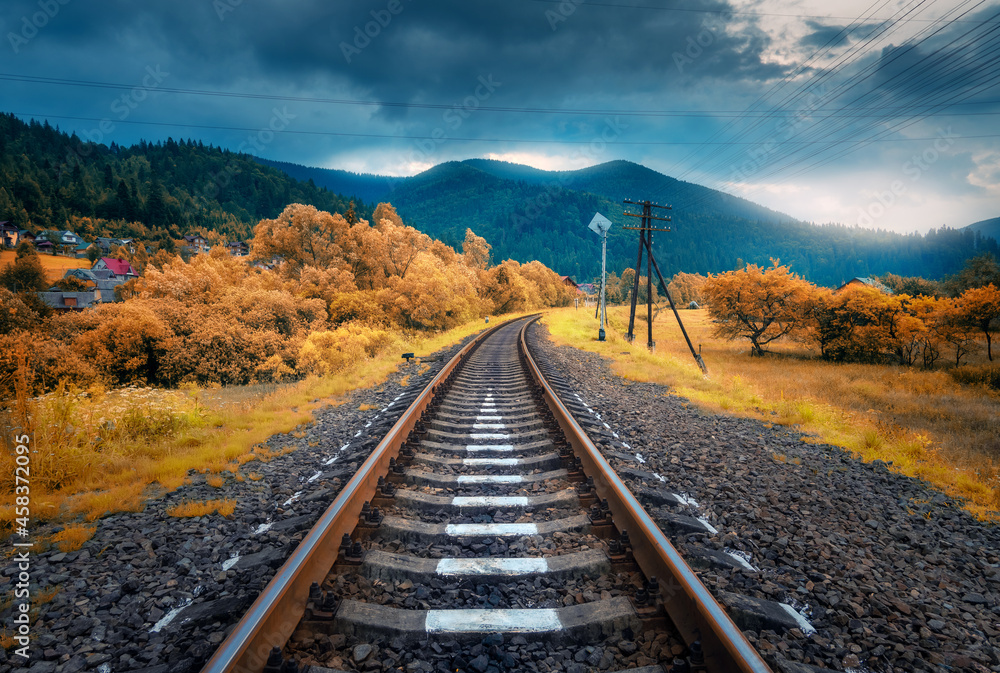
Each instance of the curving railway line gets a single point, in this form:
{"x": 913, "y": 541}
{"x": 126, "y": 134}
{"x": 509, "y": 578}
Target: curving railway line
{"x": 487, "y": 532}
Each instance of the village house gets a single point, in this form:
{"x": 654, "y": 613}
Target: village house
{"x": 197, "y": 243}
{"x": 238, "y": 248}
{"x": 10, "y": 234}
{"x": 70, "y": 301}
{"x": 54, "y": 241}
{"x": 870, "y": 282}
{"x": 103, "y": 280}
{"x": 120, "y": 268}
{"x": 109, "y": 245}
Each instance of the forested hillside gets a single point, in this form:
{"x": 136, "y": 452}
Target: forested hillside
{"x": 155, "y": 192}
{"x": 527, "y": 213}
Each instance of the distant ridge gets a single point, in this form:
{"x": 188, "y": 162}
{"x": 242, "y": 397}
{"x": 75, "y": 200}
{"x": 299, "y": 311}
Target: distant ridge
{"x": 365, "y": 187}
{"x": 528, "y": 213}
{"x": 990, "y": 227}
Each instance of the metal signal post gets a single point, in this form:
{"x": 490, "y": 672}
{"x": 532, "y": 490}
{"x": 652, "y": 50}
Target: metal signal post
{"x": 600, "y": 225}
{"x": 646, "y": 230}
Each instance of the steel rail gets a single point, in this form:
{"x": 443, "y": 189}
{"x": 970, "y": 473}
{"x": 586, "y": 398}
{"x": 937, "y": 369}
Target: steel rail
{"x": 278, "y": 609}
{"x": 691, "y": 607}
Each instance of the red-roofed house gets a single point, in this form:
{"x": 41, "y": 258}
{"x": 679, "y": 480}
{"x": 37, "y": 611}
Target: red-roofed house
{"x": 119, "y": 267}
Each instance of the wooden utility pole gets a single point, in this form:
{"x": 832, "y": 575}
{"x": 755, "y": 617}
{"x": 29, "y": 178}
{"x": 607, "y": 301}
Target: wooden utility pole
{"x": 646, "y": 230}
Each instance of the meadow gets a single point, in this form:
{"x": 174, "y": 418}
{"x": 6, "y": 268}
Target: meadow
{"x": 55, "y": 265}
{"x": 923, "y": 422}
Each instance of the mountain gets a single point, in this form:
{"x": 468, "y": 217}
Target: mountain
{"x": 526, "y": 213}
{"x": 619, "y": 180}
{"x": 155, "y": 192}
{"x": 990, "y": 227}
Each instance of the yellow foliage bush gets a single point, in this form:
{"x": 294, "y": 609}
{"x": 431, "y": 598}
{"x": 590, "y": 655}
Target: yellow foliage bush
{"x": 337, "y": 291}
{"x": 328, "y": 352}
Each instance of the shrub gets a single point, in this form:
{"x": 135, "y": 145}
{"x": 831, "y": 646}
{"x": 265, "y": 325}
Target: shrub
{"x": 985, "y": 375}
{"x": 328, "y": 352}
{"x": 73, "y": 536}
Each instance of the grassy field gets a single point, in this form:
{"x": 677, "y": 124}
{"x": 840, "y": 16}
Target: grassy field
{"x": 99, "y": 451}
{"x": 925, "y": 423}
{"x": 55, "y": 265}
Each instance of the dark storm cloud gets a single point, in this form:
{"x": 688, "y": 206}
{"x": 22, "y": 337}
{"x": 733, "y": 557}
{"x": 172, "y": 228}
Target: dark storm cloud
{"x": 529, "y": 53}
{"x": 400, "y": 49}
{"x": 826, "y": 36}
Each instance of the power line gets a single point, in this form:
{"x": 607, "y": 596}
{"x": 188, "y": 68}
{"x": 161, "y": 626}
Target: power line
{"x": 463, "y": 139}
{"x": 696, "y": 10}
{"x": 913, "y": 78}
{"x": 33, "y": 79}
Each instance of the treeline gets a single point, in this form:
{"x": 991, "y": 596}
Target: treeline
{"x": 341, "y": 290}
{"x": 861, "y": 322}
{"x": 155, "y": 192}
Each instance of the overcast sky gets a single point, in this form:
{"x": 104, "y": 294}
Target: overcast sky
{"x": 775, "y": 100}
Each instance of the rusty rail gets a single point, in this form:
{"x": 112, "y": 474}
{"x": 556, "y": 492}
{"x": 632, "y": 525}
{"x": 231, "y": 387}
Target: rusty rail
{"x": 693, "y": 610}
{"x": 273, "y": 617}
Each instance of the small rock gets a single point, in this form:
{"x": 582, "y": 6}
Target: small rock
{"x": 361, "y": 652}
{"x": 480, "y": 663}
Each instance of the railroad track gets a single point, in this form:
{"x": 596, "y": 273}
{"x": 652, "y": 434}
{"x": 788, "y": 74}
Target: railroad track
{"x": 486, "y": 532}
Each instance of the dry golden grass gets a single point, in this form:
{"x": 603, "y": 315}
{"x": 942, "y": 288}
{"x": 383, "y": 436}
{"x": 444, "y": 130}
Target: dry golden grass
{"x": 55, "y": 265}
{"x": 100, "y": 452}
{"x": 255, "y": 476}
{"x": 215, "y": 480}
{"x": 192, "y": 508}
{"x": 367, "y": 407}
{"x": 72, "y": 536}
{"x": 924, "y": 422}
{"x": 405, "y": 381}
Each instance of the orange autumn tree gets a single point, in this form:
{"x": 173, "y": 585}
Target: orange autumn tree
{"x": 301, "y": 236}
{"x": 864, "y": 324}
{"x": 761, "y": 305}
{"x": 685, "y": 288}
{"x": 979, "y": 307}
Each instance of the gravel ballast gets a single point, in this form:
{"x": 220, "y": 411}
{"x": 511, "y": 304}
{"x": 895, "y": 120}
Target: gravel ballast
{"x": 158, "y": 593}
{"x": 892, "y": 574}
